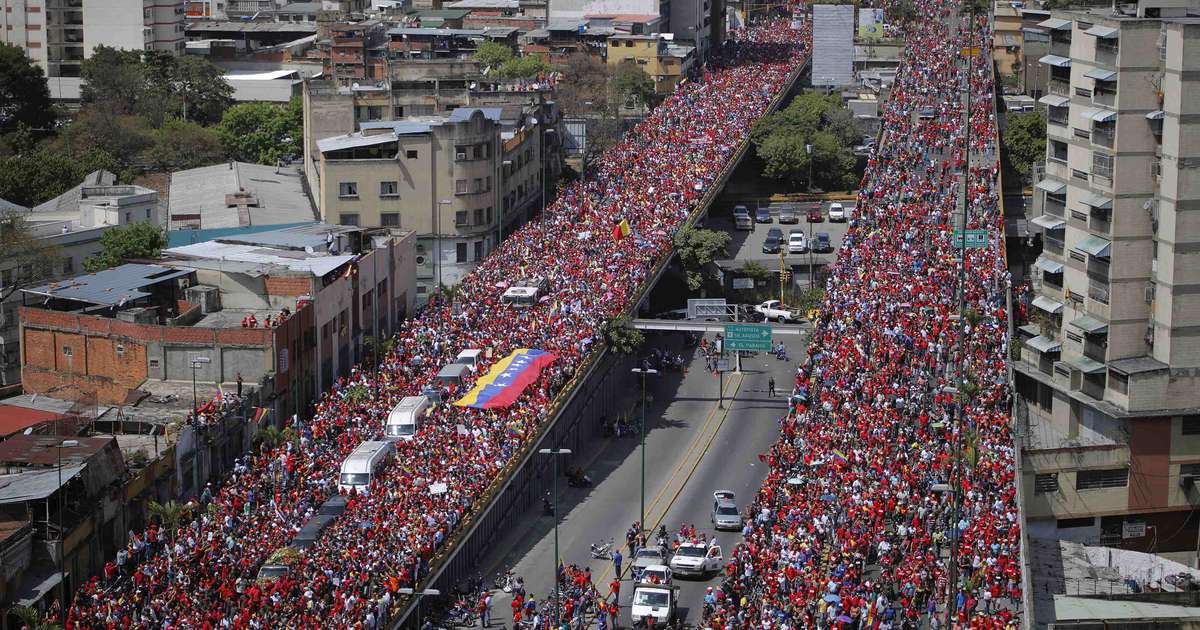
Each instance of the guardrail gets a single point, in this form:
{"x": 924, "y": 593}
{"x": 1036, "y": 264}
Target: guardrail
{"x": 473, "y": 520}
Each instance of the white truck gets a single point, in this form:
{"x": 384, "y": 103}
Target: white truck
{"x": 653, "y": 600}
{"x": 407, "y": 417}
{"x": 774, "y": 310}
{"x": 697, "y": 560}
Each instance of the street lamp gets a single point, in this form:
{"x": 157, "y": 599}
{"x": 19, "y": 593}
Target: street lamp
{"x": 554, "y": 584}
{"x": 437, "y": 238}
{"x": 419, "y": 593}
{"x": 643, "y": 372}
{"x": 196, "y": 363}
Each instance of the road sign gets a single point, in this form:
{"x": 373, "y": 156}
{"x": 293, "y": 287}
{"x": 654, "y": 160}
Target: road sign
{"x": 722, "y": 365}
{"x": 698, "y": 308}
{"x": 747, "y": 337}
{"x": 971, "y": 51}
{"x": 976, "y": 239}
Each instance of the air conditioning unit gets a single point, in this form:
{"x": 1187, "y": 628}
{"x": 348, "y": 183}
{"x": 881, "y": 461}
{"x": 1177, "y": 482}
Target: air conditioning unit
{"x": 460, "y": 156}
{"x": 1150, "y": 294}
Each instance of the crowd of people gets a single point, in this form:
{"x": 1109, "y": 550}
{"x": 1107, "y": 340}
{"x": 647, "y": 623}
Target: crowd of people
{"x": 203, "y": 574}
{"x": 890, "y": 497}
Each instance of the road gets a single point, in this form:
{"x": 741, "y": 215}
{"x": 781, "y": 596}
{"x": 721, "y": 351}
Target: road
{"x": 693, "y": 447}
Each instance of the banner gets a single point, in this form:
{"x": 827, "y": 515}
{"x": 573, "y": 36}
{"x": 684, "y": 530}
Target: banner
{"x": 870, "y": 23}
{"x": 507, "y": 379}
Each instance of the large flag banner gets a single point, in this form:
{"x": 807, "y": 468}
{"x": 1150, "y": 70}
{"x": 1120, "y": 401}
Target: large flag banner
{"x": 870, "y": 23}
{"x": 507, "y": 379}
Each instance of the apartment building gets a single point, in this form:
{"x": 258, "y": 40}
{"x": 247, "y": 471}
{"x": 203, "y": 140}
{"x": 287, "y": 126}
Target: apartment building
{"x": 59, "y": 34}
{"x": 1109, "y": 370}
{"x": 462, "y": 181}
{"x": 664, "y": 61}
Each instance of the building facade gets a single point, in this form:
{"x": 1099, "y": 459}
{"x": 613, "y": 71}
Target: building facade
{"x": 665, "y": 64}
{"x": 1109, "y": 376}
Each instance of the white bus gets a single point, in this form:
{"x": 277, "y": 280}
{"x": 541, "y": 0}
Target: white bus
{"x": 362, "y": 465}
{"x": 406, "y": 418}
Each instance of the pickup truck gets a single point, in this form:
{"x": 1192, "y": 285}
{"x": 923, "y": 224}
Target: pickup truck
{"x": 653, "y": 600}
{"x": 774, "y": 310}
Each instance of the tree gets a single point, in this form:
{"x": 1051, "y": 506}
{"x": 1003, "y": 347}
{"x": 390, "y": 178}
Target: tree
{"x": 697, "y": 249}
{"x": 782, "y": 142}
{"x": 526, "y": 67}
{"x": 181, "y": 145}
{"x": 199, "y": 89}
{"x": 30, "y": 259}
{"x": 169, "y": 515}
{"x": 263, "y": 133}
{"x": 114, "y": 79}
{"x": 31, "y": 619}
{"x": 1024, "y": 141}
{"x": 621, "y": 337}
{"x": 24, "y": 96}
{"x": 634, "y": 87}
{"x": 140, "y": 240}
{"x": 33, "y": 177}
{"x": 584, "y": 93}
{"x": 493, "y": 54}
{"x": 124, "y": 137}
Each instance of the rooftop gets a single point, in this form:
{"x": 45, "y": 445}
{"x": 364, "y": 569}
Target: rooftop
{"x": 484, "y": 4}
{"x": 14, "y": 419}
{"x": 302, "y": 249}
{"x": 68, "y": 202}
{"x": 250, "y": 27}
{"x": 277, "y": 195}
{"x": 110, "y": 287}
{"x": 43, "y": 451}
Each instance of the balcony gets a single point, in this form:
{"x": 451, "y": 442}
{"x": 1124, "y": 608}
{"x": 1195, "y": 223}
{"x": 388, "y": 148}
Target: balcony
{"x": 1102, "y": 137}
{"x": 1052, "y": 244}
{"x": 1097, "y": 290}
{"x": 1058, "y": 87}
{"x": 1098, "y": 269}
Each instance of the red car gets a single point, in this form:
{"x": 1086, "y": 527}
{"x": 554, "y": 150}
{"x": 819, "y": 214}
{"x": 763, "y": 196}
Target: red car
{"x": 815, "y": 215}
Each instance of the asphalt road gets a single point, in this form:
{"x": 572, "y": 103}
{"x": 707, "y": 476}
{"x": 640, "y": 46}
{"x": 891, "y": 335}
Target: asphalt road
{"x": 693, "y": 447}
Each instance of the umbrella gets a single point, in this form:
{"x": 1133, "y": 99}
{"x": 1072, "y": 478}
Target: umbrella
{"x": 796, "y": 481}
{"x": 830, "y": 598}
{"x": 844, "y": 618}
{"x": 828, "y": 497}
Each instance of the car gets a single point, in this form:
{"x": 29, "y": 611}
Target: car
{"x": 741, "y": 218}
{"x": 788, "y": 215}
{"x": 697, "y": 559}
{"x": 653, "y": 600}
{"x": 797, "y": 242}
{"x": 776, "y": 311}
{"x": 837, "y": 212}
{"x": 748, "y": 314}
{"x": 815, "y": 215}
{"x": 725, "y": 513}
{"x": 646, "y": 557}
{"x": 821, "y": 243}
{"x": 773, "y": 244}
{"x": 656, "y": 574}
{"x": 762, "y": 215}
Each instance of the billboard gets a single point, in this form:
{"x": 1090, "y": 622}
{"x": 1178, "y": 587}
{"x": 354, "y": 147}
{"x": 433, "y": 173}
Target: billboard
{"x": 870, "y": 23}
{"x": 833, "y": 45}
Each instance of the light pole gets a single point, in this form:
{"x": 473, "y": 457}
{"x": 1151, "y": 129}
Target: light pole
{"x": 196, "y": 363}
{"x": 554, "y": 585}
{"x": 808, "y": 148}
{"x": 643, "y": 372}
{"x": 422, "y": 593}
{"x": 437, "y": 238}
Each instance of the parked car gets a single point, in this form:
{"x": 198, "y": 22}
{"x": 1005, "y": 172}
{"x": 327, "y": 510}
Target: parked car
{"x": 775, "y": 310}
{"x": 762, "y": 215}
{"x": 741, "y": 218}
{"x": 797, "y": 242}
{"x": 821, "y": 243}
{"x": 774, "y": 241}
{"x": 837, "y": 212}
{"x": 788, "y": 215}
{"x": 815, "y": 215}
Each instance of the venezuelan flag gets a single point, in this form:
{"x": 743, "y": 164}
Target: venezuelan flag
{"x": 840, "y": 456}
{"x": 621, "y": 230}
{"x": 507, "y": 379}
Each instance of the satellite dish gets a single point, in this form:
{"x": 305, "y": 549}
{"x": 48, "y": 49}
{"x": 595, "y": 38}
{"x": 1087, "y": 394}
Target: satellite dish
{"x": 28, "y": 431}
{"x": 308, "y": 249}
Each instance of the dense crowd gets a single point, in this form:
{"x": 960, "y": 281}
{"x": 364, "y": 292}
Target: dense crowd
{"x": 854, "y": 524}
{"x": 203, "y": 574}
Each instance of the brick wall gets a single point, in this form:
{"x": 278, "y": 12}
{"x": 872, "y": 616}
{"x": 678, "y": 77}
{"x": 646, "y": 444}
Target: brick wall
{"x": 39, "y": 348}
{"x": 288, "y": 286}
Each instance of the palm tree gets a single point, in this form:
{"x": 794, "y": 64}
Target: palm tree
{"x": 31, "y": 619}
{"x": 269, "y": 436}
{"x": 169, "y": 515}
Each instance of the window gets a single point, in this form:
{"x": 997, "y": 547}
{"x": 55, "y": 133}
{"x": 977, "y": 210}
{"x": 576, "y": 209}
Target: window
{"x": 1070, "y": 523}
{"x": 1097, "y": 479}
{"x": 389, "y": 219}
{"x": 460, "y": 186}
{"x": 348, "y": 189}
{"x": 478, "y": 250}
{"x": 398, "y": 111}
{"x": 128, "y": 217}
{"x": 460, "y": 252}
{"x": 1045, "y": 483}
{"x": 460, "y": 218}
{"x": 1102, "y": 164}
{"x": 479, "y": 217}
{"x": 460, "y": 153}
{"x": 389, "y": 189}
{"x": 120, "y": 349}
{"x": 374, "y": 112}
{"x": 477, "y": 185}
{"x": 68, "y": 266}
{"x": 488, "y": 215}
{"x": 488, "y": 186}
{"x": 68, "y": 351}
{"x": 411, "y": 154}
{"x": 1190, "y": 425}
{"x": 348, "y": 219}
{"x": 1078, "y": 174}
{"x": 1189, "y": 469}
{"x": 147, "y": 213}
{"x": 1057, "y": 150}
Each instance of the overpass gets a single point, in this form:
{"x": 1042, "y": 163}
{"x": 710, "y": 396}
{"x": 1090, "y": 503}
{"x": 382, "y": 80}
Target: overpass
{"x": 684, "y": 325}
{"x": 580, "y": 407}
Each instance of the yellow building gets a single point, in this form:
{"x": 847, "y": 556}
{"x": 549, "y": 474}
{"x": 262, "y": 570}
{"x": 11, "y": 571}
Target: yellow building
{"x": 1007, "y": 38}
{"x": 665, "y": 63}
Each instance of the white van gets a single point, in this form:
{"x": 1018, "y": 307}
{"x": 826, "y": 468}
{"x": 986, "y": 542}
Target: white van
{"x": 470, "y": 358}
{"x": 362, "y": 465}
{"x": 525, "y": 292}
{"x": 406, "y": 418}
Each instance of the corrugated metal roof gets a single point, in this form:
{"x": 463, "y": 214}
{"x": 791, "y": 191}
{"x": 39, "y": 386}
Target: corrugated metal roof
{"x": 1089, "y": 325}
{"x": 109, "y": 287}
{"x": 1044, "y": 344}
{"x": 1098, "y": 201}
{"x": 35, "y": 485}
{"x": 215, "y": 250}
{"x": 15, "y": 419}
{"x": 1047, "y": 304}
{"x": 1096, "y": 246}
{"x": 1049, "y": 266}
{"x": 1084, "y": 364}
{"x": 463, "y": 114}
{"x": 1048, "y": 222}
{"x": 1055, "y": 60}
{"x": 1054, "y": 100}
{"x": 1055, "y": 24}
{"x": 1100, "y": 74}
{"x": 1103, "y": 32}
{"x": 1051, "y": 186}
{"x": 355, "y": 140}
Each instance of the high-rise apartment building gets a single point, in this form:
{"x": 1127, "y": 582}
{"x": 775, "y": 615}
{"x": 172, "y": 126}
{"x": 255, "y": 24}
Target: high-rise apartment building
{"x": 58, "y": 34}
{"x": 1109, "y": 376}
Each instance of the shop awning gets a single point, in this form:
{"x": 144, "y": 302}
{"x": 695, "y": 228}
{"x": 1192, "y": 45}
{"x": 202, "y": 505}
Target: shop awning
{"x": 1087, "y": 114}
{"x": 1051, "y": 186}
{"x": 1155, "y": 115}
{"x": 1084, "y": 364}
{"x": 1048, "y": 222}
{"x": 1033, "y": 330}
{"x": 1046, "y": 304}
{"x": 1056, "y": 24}
{"x": 1044, "y": 344}
{"x": 1101, "y": 74}
{"x": 1090, "y": 325}
{"x": 1103, "y": 32}
{"x": 1049, "y": 266}
{"x": 1054, "y": 100}
{"x": 1096, "y": 246}
{"x": 1056, "y": 61}
{"x": 1098, "y": 201}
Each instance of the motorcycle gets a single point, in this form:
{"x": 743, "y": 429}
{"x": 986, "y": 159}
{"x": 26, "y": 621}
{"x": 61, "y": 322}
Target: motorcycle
{"x": 603, "y": 551}
{"x": 547, "y": 505}
{"x": 577, "y": 479}
{"x": 504, "y": 581}
{"x": 460, "y": 614}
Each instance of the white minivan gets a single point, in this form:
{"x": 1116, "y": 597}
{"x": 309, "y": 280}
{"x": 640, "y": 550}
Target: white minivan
{"x": 407, "y": 417}
{"x": 362, "y": 466}
{"x": 470, "y": 358}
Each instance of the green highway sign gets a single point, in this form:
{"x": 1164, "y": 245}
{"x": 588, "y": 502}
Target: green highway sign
{"x": 976, "y": 239}
{"x": 747, "y": 337}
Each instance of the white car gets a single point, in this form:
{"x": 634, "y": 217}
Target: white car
{"x": 647, "y": 557}
{"x": 837, "y": 212}
{"x": 697, "y": 559}
{"x": 797, "y": 242}
{"x": 656, "y": 574}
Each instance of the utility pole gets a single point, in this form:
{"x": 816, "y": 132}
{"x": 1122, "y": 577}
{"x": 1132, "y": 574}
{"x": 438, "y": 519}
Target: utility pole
{"x": 643, "y": 372}
{"x": 554, "y": 453}
{"x": 782, "y": 276}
